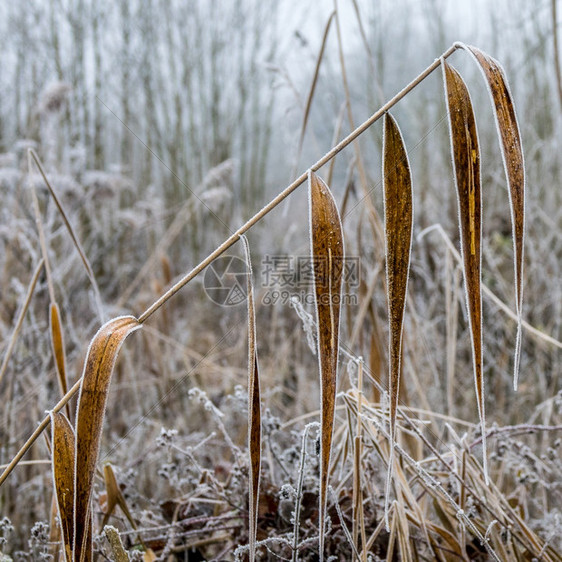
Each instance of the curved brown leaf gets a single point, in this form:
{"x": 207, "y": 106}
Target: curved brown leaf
{"x": 114, "y": 497}
{"x": 466, "y": 163}
{"x": 398, "y": 221}
{"x": 254, "y": 410}
{"x": 327, "y": 248}
{"x": 512, "y": 155}
{"x": 94, "y": 389}
{"x": 63, "y": 444}
{"x": 57, "y": 342}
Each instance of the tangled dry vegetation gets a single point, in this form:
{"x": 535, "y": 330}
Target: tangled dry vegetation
{"x": 206, "y": 444}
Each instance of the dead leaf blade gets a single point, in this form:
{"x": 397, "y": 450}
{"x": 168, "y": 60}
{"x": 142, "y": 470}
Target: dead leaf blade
{"x": 512, "y": 155}
{"x": 114, "y": 497}
{"x": 94, "y": 390}
{"x": 398, "y": 220}
{"x": 57, "y": 343}
{"x": 63, "y": 447}
{"x": 327, "y": 249}
{"x": 466, "y": 163}
{"x": 254, "y": 410}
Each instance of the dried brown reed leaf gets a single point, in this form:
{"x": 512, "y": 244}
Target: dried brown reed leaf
{"x": 94, "y": 389}
{"x": 57, "y": 342}
{"x": 114, "y": 497}
{"x": 327, "y": 248}
{"x": 254, "y": 409}
{"x": 63, "y": 448}
{"x": 512, "y": 154}
{"x": 466, "y": 162}
{"x": 398, "y": 220}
